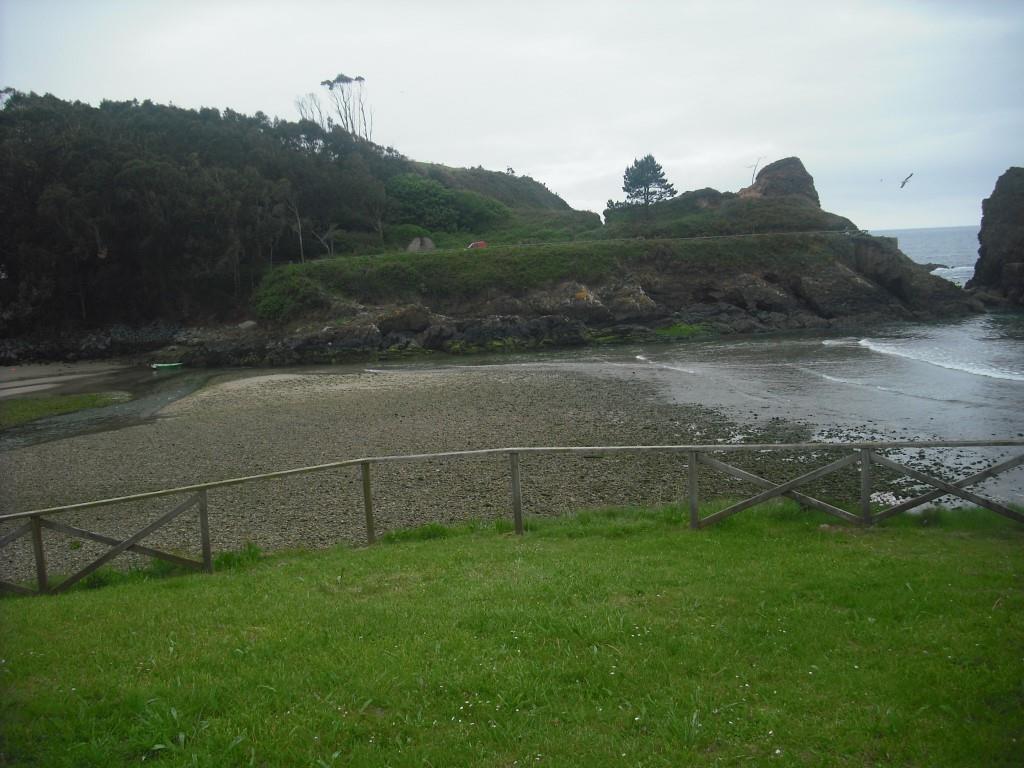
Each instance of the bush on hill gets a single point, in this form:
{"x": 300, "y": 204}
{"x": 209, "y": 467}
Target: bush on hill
{"x": 522, "y": 192}
{"x": 708, "y": 212}
{"x": 285, "y": 294}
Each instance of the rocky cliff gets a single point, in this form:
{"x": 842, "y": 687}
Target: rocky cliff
{"x": 1000, "y": 266}
{"x": 638, "y": 291}
{"x": 765, "y": 259}
{"x": 783, "y": 178}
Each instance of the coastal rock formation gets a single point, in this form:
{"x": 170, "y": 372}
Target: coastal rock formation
{"x": 766, "y": 259}
{"x": 1000, "y": 266}
{"x": 783, "y": 178}
{"x": 420, "y": 245}
{"x": 663, "y": 289}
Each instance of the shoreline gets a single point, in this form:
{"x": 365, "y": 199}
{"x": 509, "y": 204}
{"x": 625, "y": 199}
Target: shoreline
{"x": 240, "y": 426}
{"x": 371, "y": 337}
{"x": 241, "y": 422}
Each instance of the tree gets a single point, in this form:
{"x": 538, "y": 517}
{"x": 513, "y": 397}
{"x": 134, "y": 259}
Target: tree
{"x": 644, "y": 183}
{"x": 349, "y": 100}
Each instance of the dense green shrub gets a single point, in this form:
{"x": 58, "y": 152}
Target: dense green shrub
{"x": 400, "y": 235}
{"x": 475, "y": 212}
{"x": 417, "y": 200}
{"x": 285, "y": 294}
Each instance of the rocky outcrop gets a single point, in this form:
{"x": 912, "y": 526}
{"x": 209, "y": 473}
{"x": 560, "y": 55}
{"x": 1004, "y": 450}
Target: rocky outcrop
{"x": 816, "y": 282}
{"x": 420, "y": 245}
{"x": 783, "y": 178}
{"x": 1000, "y": 266}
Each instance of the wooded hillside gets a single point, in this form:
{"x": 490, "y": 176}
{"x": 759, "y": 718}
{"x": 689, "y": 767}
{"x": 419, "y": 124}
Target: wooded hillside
{"x": 131, "y": 212}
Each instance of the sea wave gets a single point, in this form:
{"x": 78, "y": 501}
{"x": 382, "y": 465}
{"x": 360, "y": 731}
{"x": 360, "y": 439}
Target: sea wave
{"x": 666, "y": 366}
{"x": 940, "y": 359}
{"x": 839, "y": 342}
{"x": 957, "y": 275}
{"x": 849, "y": 382}
{"x": 880, "y": 388}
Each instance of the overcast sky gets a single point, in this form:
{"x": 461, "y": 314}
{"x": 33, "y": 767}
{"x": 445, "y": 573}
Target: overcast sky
{"x": 571, "y": 92}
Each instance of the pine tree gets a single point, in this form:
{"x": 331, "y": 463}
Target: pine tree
{"x": 644, "y": 182}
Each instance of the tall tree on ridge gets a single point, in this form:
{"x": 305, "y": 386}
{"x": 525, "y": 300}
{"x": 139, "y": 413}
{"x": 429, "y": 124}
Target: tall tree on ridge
{"x": 644, "y": 183}
{"x": 349, "y": 100}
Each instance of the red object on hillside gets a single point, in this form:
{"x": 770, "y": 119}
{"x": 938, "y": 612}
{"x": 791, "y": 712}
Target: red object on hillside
{"x": 477, "y": 244}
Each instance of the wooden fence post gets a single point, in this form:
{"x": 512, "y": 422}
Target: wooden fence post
{"x": 37, "y": 548}
{"x": 865, "y": 485}
{"x": 691, "y": 485}
{"x": 368, "y": 502}
{"x": 517, "y": 493}
{"x": 204, "y": 532}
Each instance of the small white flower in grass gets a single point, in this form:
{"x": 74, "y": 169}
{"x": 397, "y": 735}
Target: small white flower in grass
{"x": 778, "y": 751}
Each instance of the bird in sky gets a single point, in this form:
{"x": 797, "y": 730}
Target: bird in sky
{"x": 904, "y": 182}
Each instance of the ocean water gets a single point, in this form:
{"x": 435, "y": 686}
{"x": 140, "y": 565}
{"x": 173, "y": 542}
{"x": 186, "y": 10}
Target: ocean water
{"x": 955, "y": 248}
{"x": 955, "y": 380}
{"x": 960, "y": 380}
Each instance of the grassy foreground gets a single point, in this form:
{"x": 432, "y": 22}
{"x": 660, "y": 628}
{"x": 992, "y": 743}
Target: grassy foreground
{"x": 612, "y": 638}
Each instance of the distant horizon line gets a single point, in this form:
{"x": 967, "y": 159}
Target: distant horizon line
{"x": 903, "y": 229}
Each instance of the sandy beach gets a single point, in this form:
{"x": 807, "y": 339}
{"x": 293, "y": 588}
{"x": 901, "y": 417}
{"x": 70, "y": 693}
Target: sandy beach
{"x": 261, "y": 423}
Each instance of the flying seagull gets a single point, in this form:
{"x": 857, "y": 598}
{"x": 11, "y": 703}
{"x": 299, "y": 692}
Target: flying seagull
{"x": 904, "y": 182}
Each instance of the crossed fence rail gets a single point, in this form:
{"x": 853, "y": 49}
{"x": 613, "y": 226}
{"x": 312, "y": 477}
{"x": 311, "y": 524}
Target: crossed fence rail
{"x": 864, "y": 456}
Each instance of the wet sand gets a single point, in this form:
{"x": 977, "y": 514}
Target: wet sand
{"x": 54, "y": 378}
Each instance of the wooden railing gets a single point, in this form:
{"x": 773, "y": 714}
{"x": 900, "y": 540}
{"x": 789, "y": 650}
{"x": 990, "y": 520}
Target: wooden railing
{"x": 863, "y": 455}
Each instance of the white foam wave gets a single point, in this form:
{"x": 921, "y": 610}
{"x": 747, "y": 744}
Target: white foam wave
{"x": 956, "y": 275}
{"x": 666, "y": 366}
{"x": 936, "y": 358}
{"x": 839, "y": 342}
{"x": 676, "y": 368}
{"x": 851, "y": 382}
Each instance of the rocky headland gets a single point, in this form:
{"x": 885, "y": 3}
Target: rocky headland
{"x": 999, "y": 272}
{"x": 767, "y": 258}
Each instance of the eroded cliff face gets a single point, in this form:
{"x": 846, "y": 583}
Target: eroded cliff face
{"x": 1000, "y": 266}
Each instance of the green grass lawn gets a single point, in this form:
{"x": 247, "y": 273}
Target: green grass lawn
{"x": 612, "y": 638}
{"x": 21, "y": 410}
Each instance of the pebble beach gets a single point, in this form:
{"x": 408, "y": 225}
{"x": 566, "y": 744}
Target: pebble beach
{"x": 239, "y": 426}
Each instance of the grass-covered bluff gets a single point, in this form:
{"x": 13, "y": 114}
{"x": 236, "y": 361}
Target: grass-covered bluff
{"x": 608, "y": 638}
{"x": 587, "y": 291}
